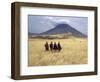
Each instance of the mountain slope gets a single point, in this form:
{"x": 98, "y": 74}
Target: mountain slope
{"x": 63, "y": 28}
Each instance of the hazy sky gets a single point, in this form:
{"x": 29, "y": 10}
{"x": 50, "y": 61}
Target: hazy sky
{"x": 39, "y": 24}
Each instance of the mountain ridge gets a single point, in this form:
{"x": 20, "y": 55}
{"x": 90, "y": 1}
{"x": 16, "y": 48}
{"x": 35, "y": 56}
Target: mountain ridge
{"x": 63, "y": 28}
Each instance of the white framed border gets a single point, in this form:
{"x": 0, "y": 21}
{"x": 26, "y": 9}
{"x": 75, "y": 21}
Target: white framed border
{"x": 35, "y": 70}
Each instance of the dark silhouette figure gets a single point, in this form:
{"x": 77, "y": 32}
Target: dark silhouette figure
{"x": 51, "y": 46}
{"x": 46, "y": 46}
{"x": 59, "y": 46}
{"x": 55, "y": 46}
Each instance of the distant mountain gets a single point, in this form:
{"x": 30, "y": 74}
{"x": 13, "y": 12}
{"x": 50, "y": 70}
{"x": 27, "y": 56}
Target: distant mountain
{"x": 62, "y": 29}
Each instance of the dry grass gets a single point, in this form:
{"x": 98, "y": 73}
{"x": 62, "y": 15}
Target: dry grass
{"x": 74, "y": 52}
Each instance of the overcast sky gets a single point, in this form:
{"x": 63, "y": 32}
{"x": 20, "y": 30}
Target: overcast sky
{"x": 39, "y": 24}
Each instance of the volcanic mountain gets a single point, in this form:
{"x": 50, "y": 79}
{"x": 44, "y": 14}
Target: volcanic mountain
{"x": 62, "y": 29}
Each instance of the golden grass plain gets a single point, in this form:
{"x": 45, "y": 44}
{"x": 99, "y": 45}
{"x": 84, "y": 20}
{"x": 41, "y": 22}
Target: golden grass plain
{"x": 74, "y": 51}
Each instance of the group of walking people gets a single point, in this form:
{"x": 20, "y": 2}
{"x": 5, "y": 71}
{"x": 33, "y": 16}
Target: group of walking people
{"x": 53, "y": 46}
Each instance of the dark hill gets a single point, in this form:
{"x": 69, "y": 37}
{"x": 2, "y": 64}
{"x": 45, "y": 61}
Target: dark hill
{"x": 63, "y": 28}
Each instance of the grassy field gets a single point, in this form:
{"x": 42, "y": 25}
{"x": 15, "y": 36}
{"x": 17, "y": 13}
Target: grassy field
{"x": 74, "y": 51}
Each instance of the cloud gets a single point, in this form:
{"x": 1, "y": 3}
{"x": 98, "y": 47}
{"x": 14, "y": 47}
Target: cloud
{"x": 57, "y": 20}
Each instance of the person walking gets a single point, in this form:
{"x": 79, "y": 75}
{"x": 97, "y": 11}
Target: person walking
{"x": 55, "y": 46}
{"x": 59, "y": 46}
{"x": 51, "y": 46}
{"x": 46, "y": 46}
